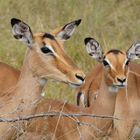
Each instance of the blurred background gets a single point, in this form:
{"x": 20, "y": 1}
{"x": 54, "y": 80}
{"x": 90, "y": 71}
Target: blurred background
{"x": 114, "y": 23}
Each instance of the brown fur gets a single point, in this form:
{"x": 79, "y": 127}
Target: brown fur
{"x": 127, "y": 107}
{"x": 22, "y": 100}
{"x": 65, "y": 128}
{"x": 8, "y": 77}
{"x": 91, "y": 86}
{"x": 127, "y": 104}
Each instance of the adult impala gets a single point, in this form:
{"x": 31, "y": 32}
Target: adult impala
{"x": 113, "y": 82}
{"x": 45, "y": 58}
{"x": 88, "y": 92}
{"x": 127, "y": 106}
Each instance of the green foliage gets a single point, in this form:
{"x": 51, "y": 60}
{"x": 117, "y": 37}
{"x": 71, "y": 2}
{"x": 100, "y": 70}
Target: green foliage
{"x": 114, "y": 23}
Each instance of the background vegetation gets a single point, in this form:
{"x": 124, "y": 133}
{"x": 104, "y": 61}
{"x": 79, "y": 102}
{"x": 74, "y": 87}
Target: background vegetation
{"x": 114, "y": 23}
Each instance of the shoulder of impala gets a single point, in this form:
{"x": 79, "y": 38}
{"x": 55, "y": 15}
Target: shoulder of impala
{"x": 8, "y": 77}
{"x": 113, "y": 81}
{"x": 45, "y": 59}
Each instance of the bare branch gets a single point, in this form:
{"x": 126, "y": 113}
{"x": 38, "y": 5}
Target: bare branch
{"x": 55, "y": 114}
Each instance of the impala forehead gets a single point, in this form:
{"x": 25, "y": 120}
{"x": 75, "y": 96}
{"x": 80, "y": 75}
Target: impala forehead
{"x": 116, "y": 59}
{"x": 48, "y": 40}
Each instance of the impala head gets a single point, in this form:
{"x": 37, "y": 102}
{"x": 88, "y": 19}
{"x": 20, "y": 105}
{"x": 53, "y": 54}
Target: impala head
{"x": 46, "y": 55}
{"x": 115, "y": 62}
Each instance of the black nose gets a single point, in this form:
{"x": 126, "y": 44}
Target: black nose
{"x": 80, "y": 77}
{"x": 121, "y": 80}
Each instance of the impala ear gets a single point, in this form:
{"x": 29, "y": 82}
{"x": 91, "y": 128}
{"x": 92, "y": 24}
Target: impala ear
{"x": 93, "y": 48}
{"x": 66, "y": 31}
{"x": 22, "y": 31}
{"x": 134, "y": 52}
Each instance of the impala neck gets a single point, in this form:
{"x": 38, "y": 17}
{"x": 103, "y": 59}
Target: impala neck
{"x": 104, "y": 105}
{"x": 105, "y": 102}
{"x": 28, "y": 90}
{"x": 134, "y": 77}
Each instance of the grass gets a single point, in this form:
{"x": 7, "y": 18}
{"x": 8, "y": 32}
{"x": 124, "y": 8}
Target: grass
{"x": 114, "y": 23}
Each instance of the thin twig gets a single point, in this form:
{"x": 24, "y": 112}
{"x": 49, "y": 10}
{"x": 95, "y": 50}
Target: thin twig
{"x": 58, "y": 121}
{"x": 53, "y": 114}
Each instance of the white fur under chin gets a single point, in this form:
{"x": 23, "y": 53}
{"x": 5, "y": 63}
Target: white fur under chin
{"x": 74, "y": 85}
{"x": 113, "y": 89}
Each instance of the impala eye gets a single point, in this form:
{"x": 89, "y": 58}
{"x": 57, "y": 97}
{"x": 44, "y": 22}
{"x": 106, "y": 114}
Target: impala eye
{"x": 105, "y": 63}
{"x": 46, "y": 50}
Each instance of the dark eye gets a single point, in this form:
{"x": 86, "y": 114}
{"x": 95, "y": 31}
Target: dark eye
{"x": 46, "y": 50}
{"x": 127, "y": 62}
{"x": 105, "y": 63}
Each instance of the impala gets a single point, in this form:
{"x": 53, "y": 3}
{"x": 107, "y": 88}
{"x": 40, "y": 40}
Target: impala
{"x": 88, "y": 92}
{"x": 45, "y": 58}
{"x": 113, "y": 82}
{"x": 126, "y": 106}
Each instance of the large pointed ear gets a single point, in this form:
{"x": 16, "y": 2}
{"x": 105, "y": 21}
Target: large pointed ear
{"x": 65, "y": 32}
{"x": 22, "y": 31}
{"x": 93, "y": 48}
{"x": 134, "y": 52}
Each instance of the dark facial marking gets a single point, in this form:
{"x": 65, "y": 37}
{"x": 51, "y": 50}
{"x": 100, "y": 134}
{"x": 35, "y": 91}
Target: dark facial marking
{"x": 47, "y": 35}
{"x": 114, "y": 51}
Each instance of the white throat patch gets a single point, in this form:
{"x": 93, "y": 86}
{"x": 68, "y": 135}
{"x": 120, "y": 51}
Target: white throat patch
{"x": 113, "y": 89}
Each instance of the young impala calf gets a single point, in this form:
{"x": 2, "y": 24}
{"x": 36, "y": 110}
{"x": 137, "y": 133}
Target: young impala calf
{"x": 113, "y": 81}
{"x": 45, "y": 58}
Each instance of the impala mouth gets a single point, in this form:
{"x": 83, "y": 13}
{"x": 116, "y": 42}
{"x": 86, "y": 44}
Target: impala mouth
{"x": 115, "y": 88}
{"x": 73, "y": 85}
{"x": 120, "y": 86}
